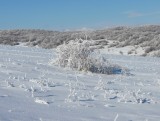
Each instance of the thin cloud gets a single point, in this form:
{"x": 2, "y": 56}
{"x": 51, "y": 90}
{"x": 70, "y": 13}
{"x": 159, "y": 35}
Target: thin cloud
{"x": 133, "y": 14}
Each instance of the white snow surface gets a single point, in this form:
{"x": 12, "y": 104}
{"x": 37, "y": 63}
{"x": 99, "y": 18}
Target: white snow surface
{"x": 33, "y": 90}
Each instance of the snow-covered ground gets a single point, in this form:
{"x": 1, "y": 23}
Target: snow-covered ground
{"x": 33, "y": 90}
{"x": 126, "y": 50}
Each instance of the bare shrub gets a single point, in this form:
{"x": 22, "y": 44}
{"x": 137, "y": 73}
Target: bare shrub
{"x": 121, "y": 52}
{"x": 80, "y": 55}
{"x": 157, "y": 54}
{"x": 113, "y": 44}
{"x": 144, "y": 54}
{"x": 75, "y": 54}
{"x": 130, "y": 52}
{"x": 101, "y": 42}
{"x": 149, "y": 49}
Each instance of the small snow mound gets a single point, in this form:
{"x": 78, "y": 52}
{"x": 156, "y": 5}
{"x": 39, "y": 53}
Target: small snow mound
{"x": 37, "y": 100}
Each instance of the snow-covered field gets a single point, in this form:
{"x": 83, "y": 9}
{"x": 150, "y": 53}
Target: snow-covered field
{"x": 33, "y": 90}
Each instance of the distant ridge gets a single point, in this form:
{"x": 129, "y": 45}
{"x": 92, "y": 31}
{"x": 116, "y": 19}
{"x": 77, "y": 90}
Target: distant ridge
{"x": 147, "y": 36}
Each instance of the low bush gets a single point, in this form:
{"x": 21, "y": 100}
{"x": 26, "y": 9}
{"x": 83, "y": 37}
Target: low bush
{"x": 149, "y": 49}
{"x": 82, "y": 56}
{"x": 157, "y": 54}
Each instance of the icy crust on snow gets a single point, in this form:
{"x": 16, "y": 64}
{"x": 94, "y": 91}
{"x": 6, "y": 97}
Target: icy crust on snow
{"x": 33, "y": 90}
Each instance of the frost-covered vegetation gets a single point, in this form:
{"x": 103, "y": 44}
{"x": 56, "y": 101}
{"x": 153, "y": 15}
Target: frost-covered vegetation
{"x": 41, "y": 38}
{"x": 147, "y": 37}
{"x": 82, "y": 55}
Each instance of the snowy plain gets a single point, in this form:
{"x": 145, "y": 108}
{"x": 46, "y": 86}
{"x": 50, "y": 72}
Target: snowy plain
{"x": 33, "y": 90}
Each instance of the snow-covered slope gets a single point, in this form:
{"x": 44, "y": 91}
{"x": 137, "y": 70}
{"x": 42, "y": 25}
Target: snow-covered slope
{"x": 33, "y": 90}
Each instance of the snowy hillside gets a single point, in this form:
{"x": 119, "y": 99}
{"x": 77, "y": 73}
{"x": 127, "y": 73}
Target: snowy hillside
{"x": 146, "y": 38}
{"x": 33, "y": 90}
